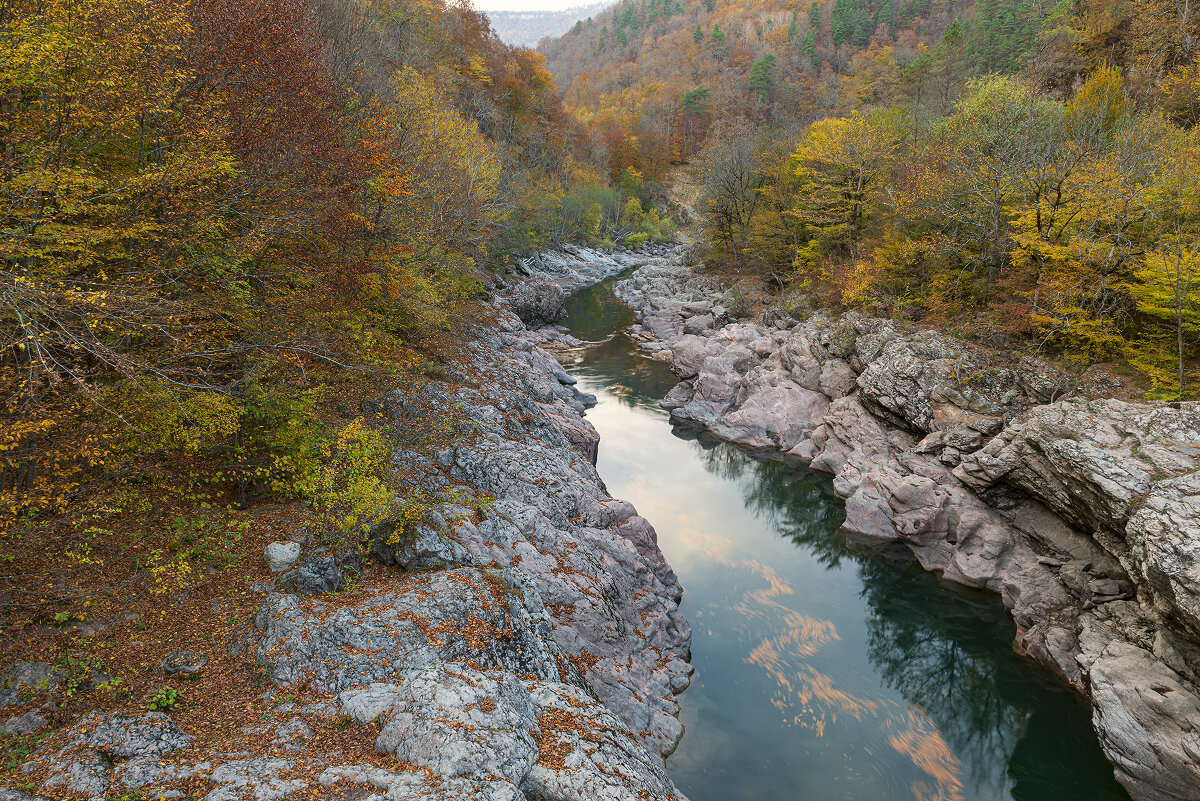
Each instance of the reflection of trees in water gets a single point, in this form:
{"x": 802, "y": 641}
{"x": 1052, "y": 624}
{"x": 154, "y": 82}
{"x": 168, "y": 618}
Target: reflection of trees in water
{"x": 594, "y": 313}
{"x": 940, "y": 650}
{"x": 947, "y": 652}
{"x": 634, "y": 380}
{"x": 798, "y": 504}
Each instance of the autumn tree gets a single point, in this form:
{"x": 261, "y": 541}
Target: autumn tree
{"x": 844, "y": 160}
{"x": 728, "y": 171}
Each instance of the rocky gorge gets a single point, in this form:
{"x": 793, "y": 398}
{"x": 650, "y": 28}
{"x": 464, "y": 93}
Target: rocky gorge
{"x": 998, "y": 473}
{"x": 525, "y": 643}
{"x": 528, "y": 643}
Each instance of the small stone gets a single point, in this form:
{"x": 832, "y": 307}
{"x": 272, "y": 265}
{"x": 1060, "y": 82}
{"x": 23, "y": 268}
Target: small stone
{"x": 1106, "y": 587}
{"x": 28, "y": 723}
{"x": 292, "y": 734}
{"x": 281, "y": 555}
{"x": 184, "y": 663}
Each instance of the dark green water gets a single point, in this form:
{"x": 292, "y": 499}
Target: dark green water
{"x": 824, "y": 671}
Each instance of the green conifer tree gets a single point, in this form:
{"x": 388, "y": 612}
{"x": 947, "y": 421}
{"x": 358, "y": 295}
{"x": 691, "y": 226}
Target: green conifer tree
{"x": 809, "y": 48}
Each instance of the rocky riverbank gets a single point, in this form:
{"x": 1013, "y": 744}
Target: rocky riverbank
{"x": 1083, "y": 514}
{"x": 524, "y": 641}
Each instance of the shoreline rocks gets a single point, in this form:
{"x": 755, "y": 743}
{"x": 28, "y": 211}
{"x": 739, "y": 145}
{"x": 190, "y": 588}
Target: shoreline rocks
{"x": 526, "y": 641}
{"x": 1082, "y": 515}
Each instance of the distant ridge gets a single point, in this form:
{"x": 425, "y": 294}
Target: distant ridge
{"x": 527, "y": 28}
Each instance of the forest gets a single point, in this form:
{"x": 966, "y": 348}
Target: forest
{"x": 1015, "y": 172}
{"x": 227, "y": 224}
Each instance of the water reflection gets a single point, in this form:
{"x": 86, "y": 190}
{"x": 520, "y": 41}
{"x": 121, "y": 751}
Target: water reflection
{"x": 825, "y": 670}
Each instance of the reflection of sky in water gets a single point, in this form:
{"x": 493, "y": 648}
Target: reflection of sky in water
{"x": 822, "y": 672}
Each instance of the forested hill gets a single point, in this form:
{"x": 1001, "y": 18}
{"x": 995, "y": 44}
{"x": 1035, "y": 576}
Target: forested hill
{"x": 226, "y": 220}
{"x": 1019, "y": 173}
{"x": 663, "y": 71}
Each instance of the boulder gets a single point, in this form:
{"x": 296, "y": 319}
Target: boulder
{"x": 538, "y": 301}
{"x": 101, "y": 741}
{"x": 29, "y": 723}
{"x": 455, "y": 720}
{"x": 184, "y": 663}
{"x": 280, "y": 556}
{"x": 1145, "y": 716}
{"x": 1163, "y": 534}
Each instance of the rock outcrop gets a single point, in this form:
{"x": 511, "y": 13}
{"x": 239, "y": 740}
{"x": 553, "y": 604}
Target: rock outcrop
{"x": 526, "y": 644}
{"x": 1083, "y": 515}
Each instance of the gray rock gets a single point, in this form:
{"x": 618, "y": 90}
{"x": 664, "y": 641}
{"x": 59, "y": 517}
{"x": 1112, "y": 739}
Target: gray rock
{"x": 292, "y": 734}
{"x": 419, "y": 787}
{"x": 8, "y": 794}
{"x": 1088, "y": 460}
{"x": 1145, "y": 716}
{"x": 452, "y": 615}
{"x": 84, "y": 765}
{"x": 184, "y": 663}
{"x": 457, "y": 721}
{"x": 24, "y": 681}
{"x": 147, "y": 771}
{"x": 323, "y": 572}
{"x": 260, "y": 778}
{"x": 538, "y": 301}
{"x": 30, "y": 722}
{"x": 280, "y": 556}
{"x": 121, "y": 736}
{"x": 1163, "y": 535}
{"x": 586, "y": 752}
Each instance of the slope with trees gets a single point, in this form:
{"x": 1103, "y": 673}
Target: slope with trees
{"x": 650, "y": 78}
{"x": 1052, "y": 210}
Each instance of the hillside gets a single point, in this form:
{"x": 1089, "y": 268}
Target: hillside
{"x": 652, "y": 76}
{"x": 527, "y": 28}
{"x": 1012, "y": 170}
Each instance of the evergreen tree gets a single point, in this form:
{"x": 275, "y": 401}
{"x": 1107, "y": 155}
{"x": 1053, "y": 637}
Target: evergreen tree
{"x": 762, "y": 77}
{"x": 863, "y": 28}
{"x": 718, "y": 35}
{"x": 578, "y": 27}
{"x": 841, "y": 22}
{"x": 698, "y": 34}
{"x": 809, "y": 48}
{"x": 814, "y": 16}
{"x": 622, "y": 40}
{"x": 709, "y": 5}
{"x": 696, "y": 101}
{"x": 628, "y": 17}
{"x": 794, "y": 27}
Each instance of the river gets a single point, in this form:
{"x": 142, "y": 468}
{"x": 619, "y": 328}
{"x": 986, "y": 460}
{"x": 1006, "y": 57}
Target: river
{"x": 824, "y": 669}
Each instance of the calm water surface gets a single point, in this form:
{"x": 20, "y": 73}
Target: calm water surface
{"x": 824, "y": 670}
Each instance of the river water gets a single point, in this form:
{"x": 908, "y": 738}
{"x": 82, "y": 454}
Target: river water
{"x": 824, "y": 670}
